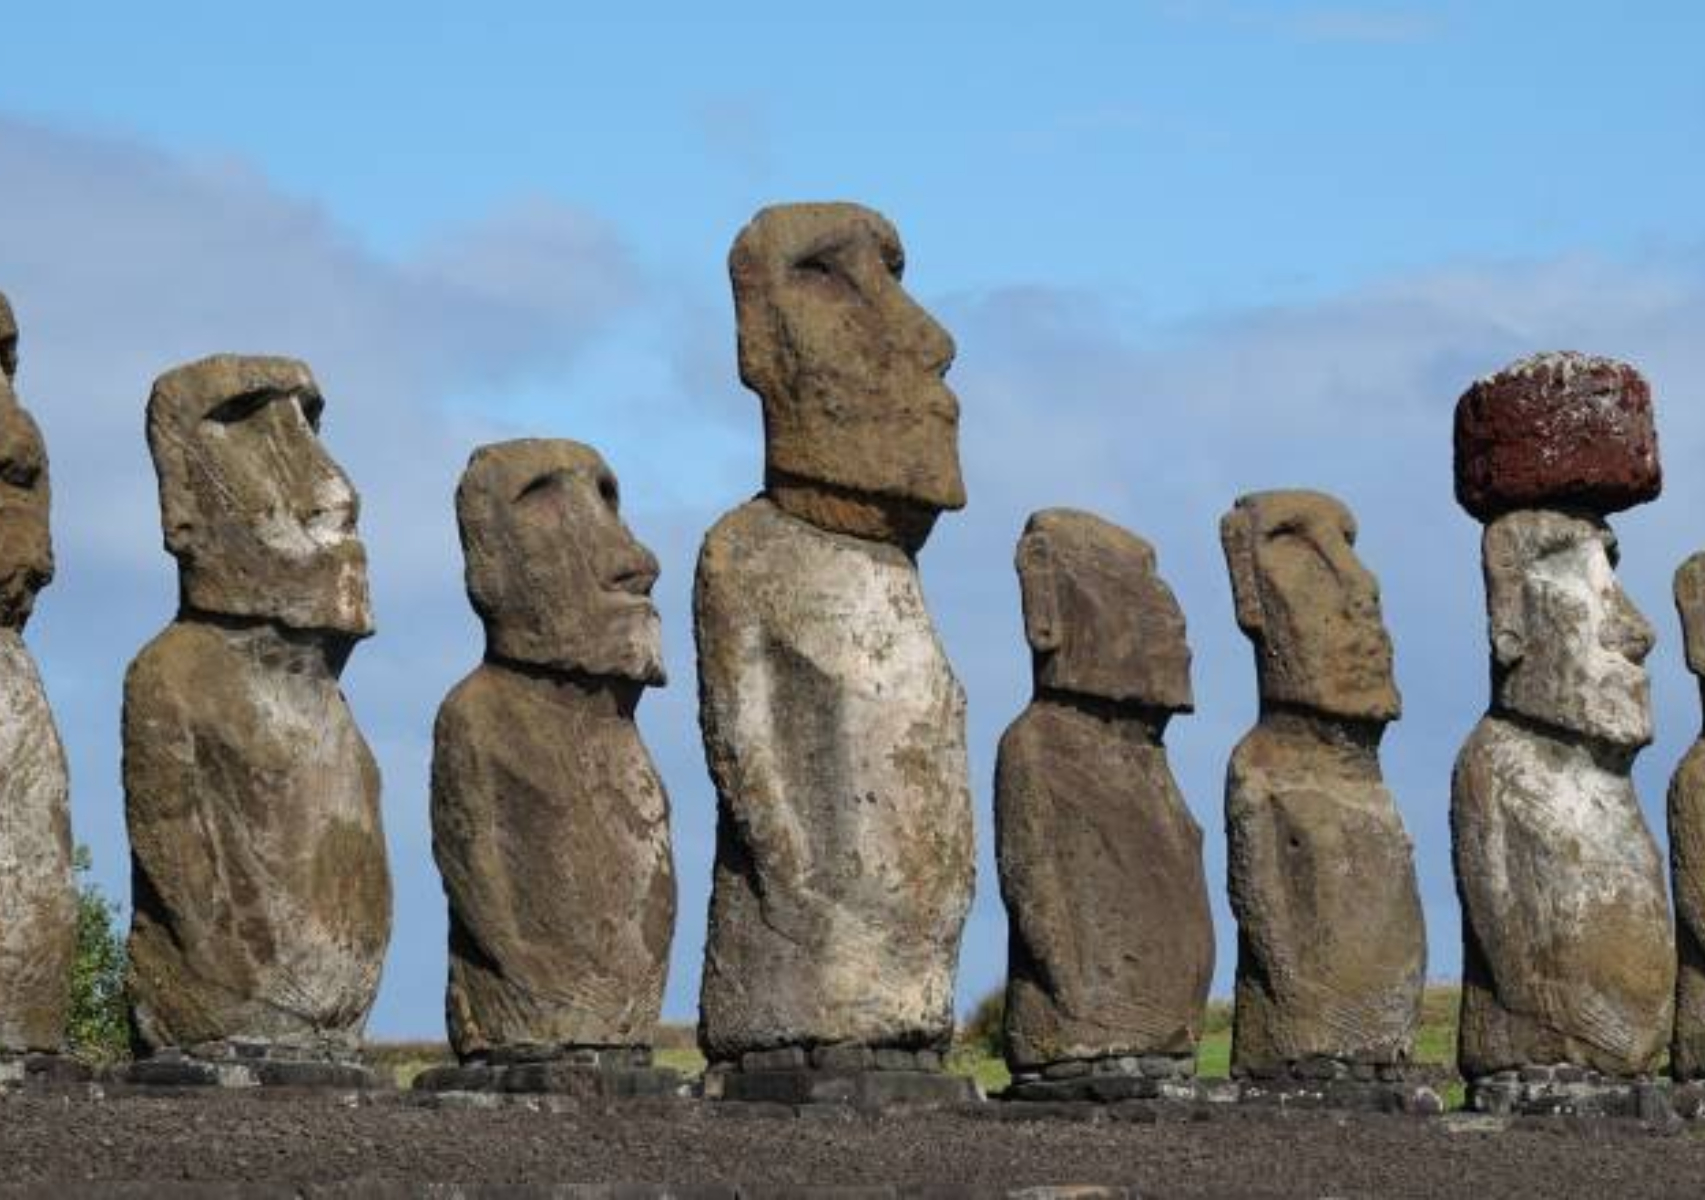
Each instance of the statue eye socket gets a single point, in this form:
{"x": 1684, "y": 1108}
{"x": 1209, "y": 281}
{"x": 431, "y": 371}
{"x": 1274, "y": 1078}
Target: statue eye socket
{"x": 240, "y": 408}
{"x": 608, "y": 492}
{"x": 817, "y": 264}
{"x": 19, "y": 471}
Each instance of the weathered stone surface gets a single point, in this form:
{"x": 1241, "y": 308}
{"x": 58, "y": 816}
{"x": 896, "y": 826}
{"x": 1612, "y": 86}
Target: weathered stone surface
{"x": 1331, "y": 962}
{"x": 835, "y": 731}
{"x": 1568, "y": 951}
{"x": 595, "y": 1082}
{"x": 1559, "y": 430}
{"x": 260, "y": 889}
{"x": 259, "y": 517}
{"x": 557, "y": 579}
{"x": 1111, "y": 941}
{"x": 38, "y": 905}
{"x": 849, "y": 368}
{"x": 26, "y": 542}
{"x": 1687, "y": 848}
{"x": 8, "y": 339}
{"x": 833, "y": 724}
{"x": 1099, "y": 619}
{"x": 1309, "y": 606}
{"x": 550, "y": 823}
{"x": 38, "y": 908}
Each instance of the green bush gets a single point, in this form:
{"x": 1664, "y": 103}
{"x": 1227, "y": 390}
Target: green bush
{"x": 99, "y": 1028}
{"x": 984, "y": 1030}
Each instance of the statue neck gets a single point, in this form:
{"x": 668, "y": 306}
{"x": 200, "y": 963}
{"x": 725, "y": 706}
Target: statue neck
{"x": 1142, "y": 721}
{"x": 598, "y": 695}
{"x": 1355, "y": 737}
{"x": 327, "y": 649}
{"x": 856, "y": 514}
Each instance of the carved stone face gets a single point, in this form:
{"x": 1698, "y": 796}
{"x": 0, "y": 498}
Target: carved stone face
{"x": 26, "y": 544}
{"x": 554, "y": 573}
{"x": 259, "y": 517}
{"x": 1309, "y": 605}
{"x": 1690, "y": 603}
{"x": 1099, "y": 619}
{"x": 848, "y": 366}
{"x": 1567, "y": 642}
{"x": 8, "y": 339}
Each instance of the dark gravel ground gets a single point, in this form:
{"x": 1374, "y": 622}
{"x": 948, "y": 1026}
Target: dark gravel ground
{"x": 233, "y": 1136}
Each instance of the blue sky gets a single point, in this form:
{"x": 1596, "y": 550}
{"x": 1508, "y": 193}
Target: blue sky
{"x": 1188, "y": 250}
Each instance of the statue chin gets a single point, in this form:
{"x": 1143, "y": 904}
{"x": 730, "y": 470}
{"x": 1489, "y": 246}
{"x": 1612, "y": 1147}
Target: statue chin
{"x": 1615, "y": 709}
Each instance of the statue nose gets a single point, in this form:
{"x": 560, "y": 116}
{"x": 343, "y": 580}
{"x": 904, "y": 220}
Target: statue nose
{"x": 637, "y": 573}
{"x": 1628, "y": 633}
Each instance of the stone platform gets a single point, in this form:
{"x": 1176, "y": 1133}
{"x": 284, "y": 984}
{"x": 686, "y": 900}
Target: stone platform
{"x": 1110, "y": 1080}
{"x": 1337, "y": 1083}
{"x": 248, "y": 1064}
{"x": 25, "y": 1070}
{"x": 1565, "y": 1090}
{"x": 861, "y": 1076}
{"x": 603, "y": 1072}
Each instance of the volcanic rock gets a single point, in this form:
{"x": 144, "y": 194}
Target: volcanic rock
{"x": 833, "y": 724}
{"x": 260, "y": 888}
{"x": 38, "y": 904}
{"x": 1687, "y": 848}
{"x": 1569, "y": 955}
{"x": 550, "y": 823}
{"x": 1111, "y": 940}
{"x": 1331, "y": 961}
{"x": 1562, "y": 431}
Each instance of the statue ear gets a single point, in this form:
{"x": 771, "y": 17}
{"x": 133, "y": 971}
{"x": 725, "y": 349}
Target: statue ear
{"x": 1506, "y": 610}
{"x": 1237, "y": 538}
{"x": 1038, "y": 586}
{"x": 179, "y": 515}
{"x": 1690, "y": 605}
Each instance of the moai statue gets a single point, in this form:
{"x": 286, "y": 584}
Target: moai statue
{"x": 1568, "y": 951}
{"x": 833, "y": 724}
{"x": 261, "y": 894}
{"x": 38, "y": 904}
{"x": 1687, "y": 849}
{"x": 1332, "y": 949}
{"x": 1111, "y": 940}
{"x": 549, "y": 822}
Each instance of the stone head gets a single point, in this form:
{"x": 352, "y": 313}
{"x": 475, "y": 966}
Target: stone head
{"x": 1309, "y": 606}
{"x": 259, "y": 517}
{"x": 1100, "y": 620}
{"x": 8, "y": 339}
{"x": 26, "y": 543}
{"x": 1690, "y": 603}
{"x": 552, "y": 570}
{"x": 849, "y": 368}
{"x": 1567, "y": 643}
